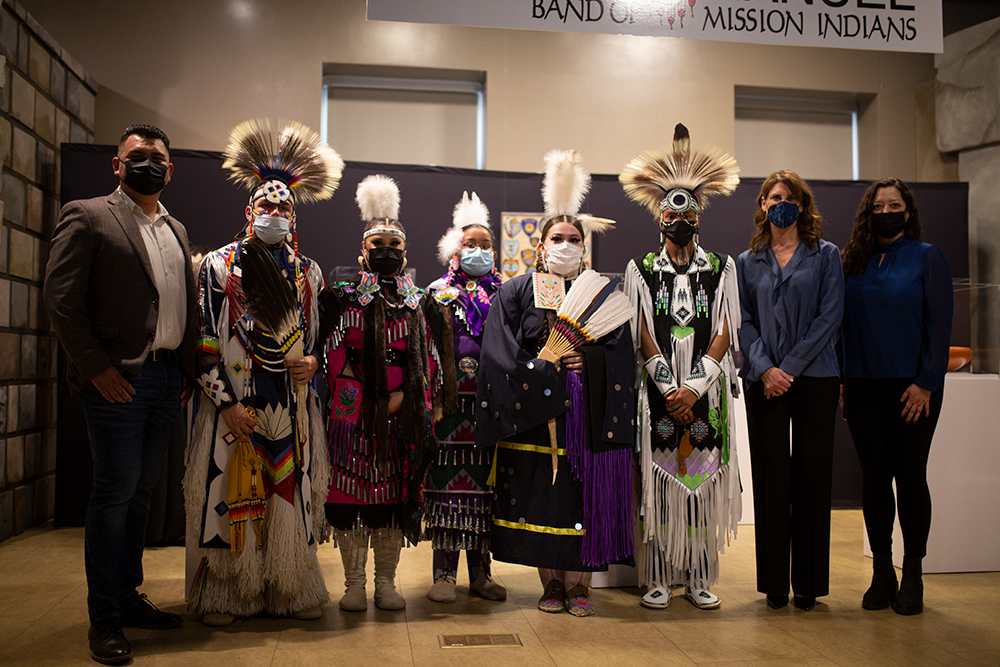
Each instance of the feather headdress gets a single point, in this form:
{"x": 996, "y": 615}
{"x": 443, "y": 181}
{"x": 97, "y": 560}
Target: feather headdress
{"x": 565, "y": 185}
{"x": 468, "y": 212}
{"x": 295, "y": 157}
{"x": 680, "y": 179}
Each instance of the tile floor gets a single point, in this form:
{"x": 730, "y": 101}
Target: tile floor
{"x": 43, "y": 619}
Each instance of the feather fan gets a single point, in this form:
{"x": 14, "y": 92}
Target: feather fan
{"x": 297, "y": 156}
{"x": 270, "y": 297}
{"x": 649, "y": 177}
{"x": 591, "y": 309}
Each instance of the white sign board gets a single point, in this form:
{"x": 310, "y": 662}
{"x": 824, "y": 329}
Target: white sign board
{"x": 878, "y": 25}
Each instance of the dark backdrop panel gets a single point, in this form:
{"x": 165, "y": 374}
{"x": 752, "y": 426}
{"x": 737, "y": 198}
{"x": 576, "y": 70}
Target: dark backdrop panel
{"x": 212, "y": 209}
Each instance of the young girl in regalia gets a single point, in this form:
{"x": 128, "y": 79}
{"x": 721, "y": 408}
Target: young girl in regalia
{"x": 564, "y": 505}
{"x": 380, "y": 371}
{"x": 457, "y": 496}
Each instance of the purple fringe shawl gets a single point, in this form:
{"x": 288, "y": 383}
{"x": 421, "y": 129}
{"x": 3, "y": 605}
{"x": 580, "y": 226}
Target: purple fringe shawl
{"x": 607, "y": 487}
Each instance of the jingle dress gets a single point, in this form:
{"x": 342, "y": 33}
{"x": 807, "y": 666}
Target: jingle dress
{"x": 287, "y": 470}
{"x": 584, "y": 521}
{"x": 690, "y": 501}
{"x": 457, "y": 496}
{"x": 375, "y": 326}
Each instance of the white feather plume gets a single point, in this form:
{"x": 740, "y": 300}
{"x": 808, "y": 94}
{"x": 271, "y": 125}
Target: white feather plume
{"x": 378, "y": 198}
{"x": 470, "y": 211}
{"x": 566, "y": 183}
{"x": 594, "y": 225}
{"x": 449, "y": 244}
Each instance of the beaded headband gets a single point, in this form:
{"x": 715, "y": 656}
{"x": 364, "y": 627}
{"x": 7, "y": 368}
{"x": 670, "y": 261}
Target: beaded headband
{"x": 383, "y": 230}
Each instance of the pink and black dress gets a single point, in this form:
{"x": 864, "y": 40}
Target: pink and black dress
{"x": 376, "y": 350}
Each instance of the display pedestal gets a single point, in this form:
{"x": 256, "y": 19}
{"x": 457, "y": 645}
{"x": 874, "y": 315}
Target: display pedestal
{"x": 963, "y": 472}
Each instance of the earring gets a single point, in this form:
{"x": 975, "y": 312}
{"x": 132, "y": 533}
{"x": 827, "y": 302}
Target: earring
{"x": 361, "y": 261}
{"x": 453, "y": 265}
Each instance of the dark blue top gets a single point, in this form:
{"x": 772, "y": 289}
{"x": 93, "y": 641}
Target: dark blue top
{"x": 791, "y": 315}
{"x": 897, "y": 316}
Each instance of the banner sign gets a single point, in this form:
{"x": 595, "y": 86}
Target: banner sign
{"x": 878, "y": 25}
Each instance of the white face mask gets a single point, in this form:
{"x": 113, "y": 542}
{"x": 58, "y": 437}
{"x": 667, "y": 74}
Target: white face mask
{"x": 476, "y": 261}
{"x": 270, "y": 229}
{"x": 563, "y": 259}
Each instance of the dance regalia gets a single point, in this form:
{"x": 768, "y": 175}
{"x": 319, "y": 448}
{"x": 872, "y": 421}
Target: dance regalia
{"x": 583, "y": 521}
{"x": 690, "y": 500}
{"x": 252, "y": 506}
{"x": 457, "y": 495}
{"x": 375, "y": 326}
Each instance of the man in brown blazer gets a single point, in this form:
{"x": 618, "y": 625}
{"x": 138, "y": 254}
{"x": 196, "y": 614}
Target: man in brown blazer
{"x": 120, "y": 293}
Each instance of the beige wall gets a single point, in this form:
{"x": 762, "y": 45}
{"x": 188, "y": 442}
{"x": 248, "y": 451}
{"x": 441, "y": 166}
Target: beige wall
{"x": 198, "y": 68}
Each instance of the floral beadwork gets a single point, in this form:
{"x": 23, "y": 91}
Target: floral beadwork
{"x": 408, "y": 291}
{"x": 367, "y": 287}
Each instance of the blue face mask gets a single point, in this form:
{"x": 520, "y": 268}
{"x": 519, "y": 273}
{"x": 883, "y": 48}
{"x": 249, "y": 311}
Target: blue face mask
{"x": 270, "y": 229}
{"x": 476, "y": 261}
{"x": 783, "y": 214}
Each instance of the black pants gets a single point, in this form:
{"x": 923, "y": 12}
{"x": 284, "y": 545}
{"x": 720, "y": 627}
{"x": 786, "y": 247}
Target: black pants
{"x": 889, "y": 448}
{"x": 792, "y": 486}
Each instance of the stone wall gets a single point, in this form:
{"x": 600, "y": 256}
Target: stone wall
{"x": 967, "y": 99}
{"x": 46, "y": 99}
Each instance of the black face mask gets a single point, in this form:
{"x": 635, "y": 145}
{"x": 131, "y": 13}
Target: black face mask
{"x": 145, "y": 176}
{"x": 680, "y": 232}
{"x": 385, "y": 261}
{"x": 887, "y": 225}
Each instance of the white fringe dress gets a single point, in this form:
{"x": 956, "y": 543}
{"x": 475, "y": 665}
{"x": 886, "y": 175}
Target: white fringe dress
{"x": 690, "y": 499}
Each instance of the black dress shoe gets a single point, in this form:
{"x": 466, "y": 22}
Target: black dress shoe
{"x": 108, "y": 645}
{"x": 139, "y": 612}
{"x": 804, "y": 603}
{"x": 777, "y": 601}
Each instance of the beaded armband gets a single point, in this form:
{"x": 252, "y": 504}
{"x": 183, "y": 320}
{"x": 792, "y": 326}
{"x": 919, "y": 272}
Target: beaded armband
{"x": 703, "y": 375}
{"x": 659, "y": 373}
{"x": 215, "y": 384}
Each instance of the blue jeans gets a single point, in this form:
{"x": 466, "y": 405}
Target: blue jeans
{"x": 128, "y": 442}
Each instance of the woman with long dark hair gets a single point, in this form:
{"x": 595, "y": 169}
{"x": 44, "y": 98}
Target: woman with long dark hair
{"x": 379, "y": 371}
{"x": 897, "y": 329}
{"x": 562, "y": 506}
{"x": 792, "y": 302}
{"x": 457, "y": 494}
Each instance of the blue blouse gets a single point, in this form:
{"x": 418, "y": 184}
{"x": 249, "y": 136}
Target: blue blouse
{"x": 791, "y": 315}
{"x": 897, "y": 317}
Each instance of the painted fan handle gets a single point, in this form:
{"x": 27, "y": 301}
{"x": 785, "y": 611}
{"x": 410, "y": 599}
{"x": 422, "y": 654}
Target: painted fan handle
{"x": 550, "y": 356}
{"x": 553, "y": 436}
{"x": 554, "y": 440}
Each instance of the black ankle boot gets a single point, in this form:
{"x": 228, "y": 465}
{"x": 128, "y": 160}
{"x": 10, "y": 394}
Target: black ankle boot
{"x": 882, "y": 592}
{"x": 910, "y": 600}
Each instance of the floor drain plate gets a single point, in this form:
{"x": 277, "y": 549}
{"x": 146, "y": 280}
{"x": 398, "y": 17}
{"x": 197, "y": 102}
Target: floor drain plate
{"x": 478, "y": 641}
